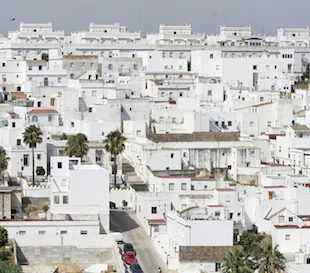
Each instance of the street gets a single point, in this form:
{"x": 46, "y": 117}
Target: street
{"x": 127, "y": 223}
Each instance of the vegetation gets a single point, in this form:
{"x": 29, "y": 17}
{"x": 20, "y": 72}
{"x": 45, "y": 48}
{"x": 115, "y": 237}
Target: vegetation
{"x": 45, "y": 208}
{"x": 6, "y": 254}
{"x": 306, "y": 74}
{"x": 270, "y": 259}
{"x": 77, "y": 146}
{"x": 32, "y": 137}
{"x": 236, "y": 261}
{"x": 45, "y": 57}
{"x": 7, "y": 267}
{"x": 3, "y": 160}
{"x": 63, "y": 137}
{"x": 114, "y": 144}
{"x": 40, "y": 171}
{"x": 255, "y": 253}
{"x": 3, "y": 236}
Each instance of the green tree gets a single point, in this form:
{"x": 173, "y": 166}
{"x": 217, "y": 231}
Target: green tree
{"x": 32, "y": 137}
{"x": 3, "y": 160}
{"x": 40, "y": 171}
{"x": 250, "y": 241}
{"x": 77, "y": 146}
{"x": 44, "y": 57}
{"x": 7, "y": 267}
{"x": 114, "y": 144}
{"x": 46, "y": 207}
{"x": 270, "y": 259}
{"x": 3, "y": 236}
{"x": 236, "y": 261}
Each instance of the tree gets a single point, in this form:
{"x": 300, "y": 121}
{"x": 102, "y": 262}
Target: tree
{"x": 32, "y": 137}
{"x": 3, "y": 236}
{"x": 3, "y": 160}
{"x": 40, "y": 171}
{"x": 114, "y": 144}
{"x": 236, "y": 261}
{"x": 46, "y": 207}
{"x": 270, "y": 259}
{"x": 250, "y": 241}
{"x": 44, "y": 57}
{"x": 7, "y": 267}
{"x": 77, "y": 146}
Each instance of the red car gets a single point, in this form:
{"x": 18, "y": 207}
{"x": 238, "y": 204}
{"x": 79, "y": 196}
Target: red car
{"x": 130, "y": 257}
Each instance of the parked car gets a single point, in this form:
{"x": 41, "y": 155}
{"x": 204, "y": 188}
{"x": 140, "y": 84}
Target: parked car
{"x": 130, "y": 257}
{"x": 129, "y": 247}
{"x": 135, "y": 268}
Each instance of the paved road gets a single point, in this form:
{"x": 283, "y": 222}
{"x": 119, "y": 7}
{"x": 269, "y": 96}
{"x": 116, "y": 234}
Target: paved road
{"x": 127, "y": 223}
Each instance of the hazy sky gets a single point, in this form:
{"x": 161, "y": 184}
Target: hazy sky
{"x": 146, "y": 15}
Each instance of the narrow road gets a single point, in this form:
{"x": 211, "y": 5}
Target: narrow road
{"x": 127, "y": 223}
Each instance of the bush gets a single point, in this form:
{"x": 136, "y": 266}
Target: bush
{"x": 7, "y": 267}
{"x": 3, "y": 237}
{"x": 40, "y": 171}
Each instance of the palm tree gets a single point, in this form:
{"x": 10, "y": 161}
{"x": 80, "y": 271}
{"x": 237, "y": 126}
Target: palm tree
{"x": 114, "y": 144}
{"x": 3, "y": 160}
{"x": 32, "y": 137}
{"x": 77, "y": 146}
{"x": 236, "y": 262}
{"x": 271, "y": 260}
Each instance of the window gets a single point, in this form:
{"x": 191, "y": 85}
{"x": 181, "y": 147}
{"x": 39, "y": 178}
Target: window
{"x": 56, "y": 199}
{"x": 65, "y": 199}
{"x": 18, "y": 142}
{"x": 3, "y": 64}
{"x": 26, "y": 160}
{"x": 217, "y": 214}
{"x": 59, "y": 165}
{"x": 229, "y": 123}
{"x": 34, "y": 119}
{"x": 183, "y": 186}
{"x": 18, "y": 88}
{"x": 180, "y": 67}
{"x": 251, "y": 123}
{"x": 39, "y": 156}
{"x": 13, "y": 124}
{"x": 287, "y": 236}
{"x": 40, "y": 67}
{"x": 63, "y": 232}
{"x": 171, "y": 155}
{"x": 154, "y": 210}
{"x": 254, "y": 67}
{"x": 217, "y": 267}
{"x": 281, "y": 219}
{"x": 72, "y": 124}
{"x": 22, "y": 232}
{"x": 209, "y": 92}
{"x": 83, "y": 232}
{"x": 184, "y": 154}
{"x": 41, "y": 232}
{"x": 211, "y": 56}
{"x": 94, "y": 93}
{"x": 290, "y": 219}
{"x": 171, "y": 186}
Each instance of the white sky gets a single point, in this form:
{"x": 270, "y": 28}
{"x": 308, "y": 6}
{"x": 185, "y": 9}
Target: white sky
{"x": 146, "y": 15}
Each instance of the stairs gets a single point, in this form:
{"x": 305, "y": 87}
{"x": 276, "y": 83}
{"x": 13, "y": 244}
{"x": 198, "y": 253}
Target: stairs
{"x": 132, "y": 178}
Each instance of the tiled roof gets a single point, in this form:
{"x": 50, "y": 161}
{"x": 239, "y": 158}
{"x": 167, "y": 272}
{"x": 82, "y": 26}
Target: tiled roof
{"x": 196, "y": 137}
{"x": 225, "y": 189}
{"x": 42, "y": 111}
{"x": 203, "y": 253}
{"x": 300, "y": 127}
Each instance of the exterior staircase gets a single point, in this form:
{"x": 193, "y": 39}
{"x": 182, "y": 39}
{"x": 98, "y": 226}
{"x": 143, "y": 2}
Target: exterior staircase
{"x": 132, "y": 178}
